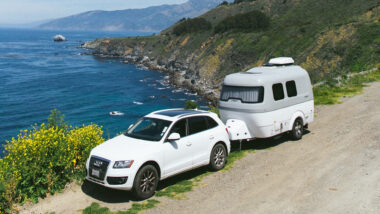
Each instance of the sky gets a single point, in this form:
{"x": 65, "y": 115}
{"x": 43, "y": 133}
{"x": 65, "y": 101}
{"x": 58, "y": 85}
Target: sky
{"x": 29, "y": 11}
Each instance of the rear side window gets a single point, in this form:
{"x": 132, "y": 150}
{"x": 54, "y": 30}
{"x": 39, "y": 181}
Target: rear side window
{"x": 244, "y": 94}
{"x": 278, "y": 91}
{"x": 291, "y": 88}
{"x": 211, "y": 123}
{"x": 197, "y": 124}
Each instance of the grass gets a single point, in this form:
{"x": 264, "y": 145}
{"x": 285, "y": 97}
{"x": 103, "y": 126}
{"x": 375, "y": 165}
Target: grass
{"x": 234, "y": 156}
{"x": 327, "y": 94}
{"x": 137, "y": 207}
{"x": 178, "y": 190}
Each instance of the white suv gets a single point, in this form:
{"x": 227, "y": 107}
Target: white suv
{"x": 161, "y": 144}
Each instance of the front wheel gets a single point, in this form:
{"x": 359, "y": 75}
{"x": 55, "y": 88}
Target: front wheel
{"x": 145, "y": 182}
{"x": 218, "y": 157}
{"x": 297, "y": 130}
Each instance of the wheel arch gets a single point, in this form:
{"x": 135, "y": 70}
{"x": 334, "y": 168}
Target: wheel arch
{"x": 153, "y": 163}
{"x": 224, "y": 145}
{"x": 296, "y": 115}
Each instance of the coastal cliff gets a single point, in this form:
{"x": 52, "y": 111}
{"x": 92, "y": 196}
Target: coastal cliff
{"x": 327, "y": 38}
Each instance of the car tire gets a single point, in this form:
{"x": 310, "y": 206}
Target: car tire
{"x": 297, "y": 130}
{"x": 218, "y": 157}
{"x": 145, "y": 183}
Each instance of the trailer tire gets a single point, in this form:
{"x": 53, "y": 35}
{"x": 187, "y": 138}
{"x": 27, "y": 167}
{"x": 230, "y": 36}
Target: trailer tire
{"x": 297, "y": 130}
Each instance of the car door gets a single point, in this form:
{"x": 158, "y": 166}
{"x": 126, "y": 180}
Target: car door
{"x": 177, "y": 154}
{"x": 199, "y": 137}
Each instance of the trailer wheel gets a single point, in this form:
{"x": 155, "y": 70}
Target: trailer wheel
{"x": 297, "y": 130}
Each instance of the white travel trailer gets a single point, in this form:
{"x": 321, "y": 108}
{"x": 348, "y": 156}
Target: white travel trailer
{"x": 268, "y": 100}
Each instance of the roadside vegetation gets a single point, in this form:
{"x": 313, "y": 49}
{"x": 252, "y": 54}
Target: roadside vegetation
{"x": 95, "y": 208}
{"x": 332, "y": 90}
{"x": 43, "y": 159}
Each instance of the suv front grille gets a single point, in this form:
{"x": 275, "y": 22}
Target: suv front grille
{"x": 98, "y": 167}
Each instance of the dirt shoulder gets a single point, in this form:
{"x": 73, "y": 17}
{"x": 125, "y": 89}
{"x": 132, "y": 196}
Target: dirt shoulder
{"x": 335, "y": 168}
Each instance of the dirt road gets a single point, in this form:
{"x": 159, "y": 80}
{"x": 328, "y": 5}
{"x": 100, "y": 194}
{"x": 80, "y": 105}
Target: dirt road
{"x": 335, "y": 168}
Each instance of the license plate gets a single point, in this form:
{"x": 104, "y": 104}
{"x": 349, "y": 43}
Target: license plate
{"x": 95, "y": 173}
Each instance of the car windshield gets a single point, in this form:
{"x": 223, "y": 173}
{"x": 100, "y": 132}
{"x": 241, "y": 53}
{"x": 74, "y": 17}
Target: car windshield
{"x": 146, "y": 128}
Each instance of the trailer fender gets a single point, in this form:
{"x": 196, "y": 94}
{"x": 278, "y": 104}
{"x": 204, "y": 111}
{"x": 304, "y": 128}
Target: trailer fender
{"x": 294, "y": 117}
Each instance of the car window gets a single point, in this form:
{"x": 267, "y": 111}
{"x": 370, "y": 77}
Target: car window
{"x": 211, "y": 123}
{"x": 291, "y": 88}
{"x": 148, "y": 129}
{"x": 197, "y": 124}
{"x": 180, "y": 128}
{"x": 278, "y": 91}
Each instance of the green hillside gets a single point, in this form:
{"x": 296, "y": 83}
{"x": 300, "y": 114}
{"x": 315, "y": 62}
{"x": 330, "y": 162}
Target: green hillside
{"x": 327, "y": 37}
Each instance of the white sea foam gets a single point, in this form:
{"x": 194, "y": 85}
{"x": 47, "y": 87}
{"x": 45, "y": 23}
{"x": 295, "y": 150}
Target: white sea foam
{"x": 177, "y": 90}
{"x": 137, "y": 103}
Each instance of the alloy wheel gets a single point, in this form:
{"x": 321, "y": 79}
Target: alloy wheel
{"x": 147, "y": 182}
{"x": 219, "y": 157}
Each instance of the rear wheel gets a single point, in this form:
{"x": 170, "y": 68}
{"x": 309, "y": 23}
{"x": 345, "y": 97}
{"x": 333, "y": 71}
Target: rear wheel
{"x": 297, "y": 130}
{"x": 218, "y": 157}
{"x": 145, "y": 182}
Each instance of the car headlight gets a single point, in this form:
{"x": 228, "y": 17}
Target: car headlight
{"x": 123, "y": 164}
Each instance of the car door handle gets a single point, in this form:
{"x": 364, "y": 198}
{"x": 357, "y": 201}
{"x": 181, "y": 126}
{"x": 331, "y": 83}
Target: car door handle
{"x": 189, "y": 144}
{"x": 211, "y": 137}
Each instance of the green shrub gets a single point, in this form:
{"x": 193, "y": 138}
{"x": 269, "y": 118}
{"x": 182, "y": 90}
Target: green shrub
{"x": 44, "y": 159}
{"x": 215, "y": 110}
{"x": 191, "y": 26}
{"x": 224, "y": 3}
{"x": 251, "y": 21}
{"x": 189, "y": 104}
{"x": 240, "y": 1}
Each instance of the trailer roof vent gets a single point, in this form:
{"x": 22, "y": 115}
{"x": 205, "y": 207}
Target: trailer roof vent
{"x": 281, "y": 61}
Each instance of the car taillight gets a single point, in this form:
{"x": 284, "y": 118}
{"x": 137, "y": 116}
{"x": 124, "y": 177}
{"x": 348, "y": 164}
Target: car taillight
{"x": 227, "y": 131}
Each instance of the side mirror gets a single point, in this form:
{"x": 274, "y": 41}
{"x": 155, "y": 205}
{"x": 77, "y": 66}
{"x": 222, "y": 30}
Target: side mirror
{"x": 174, "y": 136}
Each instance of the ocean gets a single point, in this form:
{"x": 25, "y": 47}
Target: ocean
{"x": 38, "y": 75}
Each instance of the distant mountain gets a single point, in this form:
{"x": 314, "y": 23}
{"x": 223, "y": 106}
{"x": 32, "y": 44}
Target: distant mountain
{"x": 151, "y": 19}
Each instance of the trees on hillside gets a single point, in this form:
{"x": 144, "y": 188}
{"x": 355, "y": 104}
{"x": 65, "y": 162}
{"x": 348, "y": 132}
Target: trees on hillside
{"x": 254, "y": 20}
{"x": 192, "y": 26}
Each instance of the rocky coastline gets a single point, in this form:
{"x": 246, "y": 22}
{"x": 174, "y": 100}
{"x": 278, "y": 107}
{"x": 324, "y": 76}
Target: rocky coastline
{"x": 179, "y": 73}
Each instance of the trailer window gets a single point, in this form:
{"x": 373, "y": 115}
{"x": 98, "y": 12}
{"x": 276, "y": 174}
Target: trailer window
{"x": 291, "y": 88}
{"x": 278, "y": 91}
{"x": 244, "y": 94}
